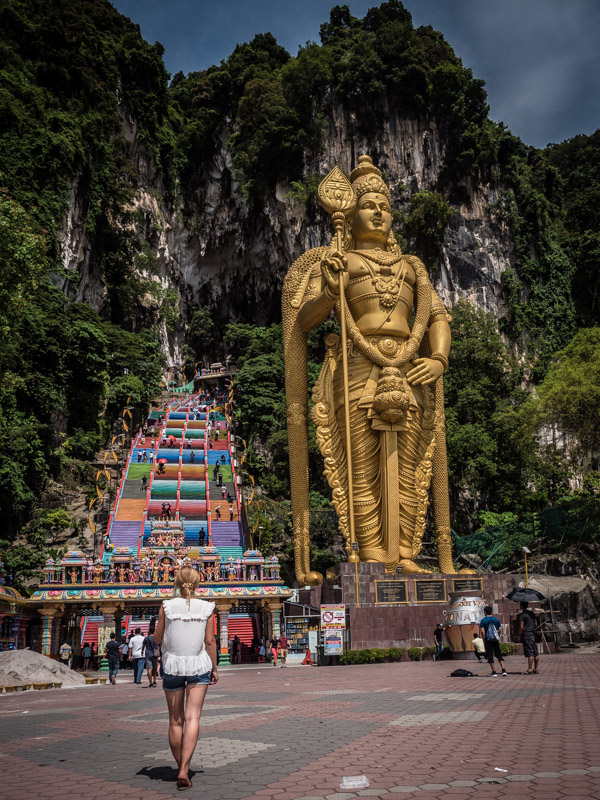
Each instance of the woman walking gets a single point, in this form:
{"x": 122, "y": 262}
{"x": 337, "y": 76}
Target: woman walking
{"x": 189, "y": 664}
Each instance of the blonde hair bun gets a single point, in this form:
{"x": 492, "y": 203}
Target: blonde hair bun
{"x": 186, "y": 582}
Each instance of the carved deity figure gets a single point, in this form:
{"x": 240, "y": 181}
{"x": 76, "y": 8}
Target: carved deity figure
{"x": 390, "y": 409}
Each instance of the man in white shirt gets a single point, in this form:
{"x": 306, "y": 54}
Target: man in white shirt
{"x": 64, "y": 653}
{"x": 136, "y": 646}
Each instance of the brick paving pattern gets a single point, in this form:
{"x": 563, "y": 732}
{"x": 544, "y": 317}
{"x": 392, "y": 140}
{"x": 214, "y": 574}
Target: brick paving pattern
{"x": 293, "y": 734}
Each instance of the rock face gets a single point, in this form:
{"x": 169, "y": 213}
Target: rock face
{"x": 215, "y": 249}
{"x": 575, "y": 603}
{"x": 26, "y": 666}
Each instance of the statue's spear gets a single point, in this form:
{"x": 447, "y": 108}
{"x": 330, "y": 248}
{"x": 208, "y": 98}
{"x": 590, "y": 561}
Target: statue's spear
{"x": 337, "y": 197}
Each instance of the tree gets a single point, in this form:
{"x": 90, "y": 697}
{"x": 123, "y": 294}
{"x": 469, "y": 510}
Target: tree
{"x": 569, "y": 395}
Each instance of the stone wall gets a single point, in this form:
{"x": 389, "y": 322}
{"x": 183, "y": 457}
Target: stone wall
{"x": 409, "y": 624}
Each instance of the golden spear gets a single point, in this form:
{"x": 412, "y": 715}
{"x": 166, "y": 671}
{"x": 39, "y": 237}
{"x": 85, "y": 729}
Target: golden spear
{"x": 337, "y": 197}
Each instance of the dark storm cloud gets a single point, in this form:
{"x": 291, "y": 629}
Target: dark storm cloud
{"x": 540, "y": 58}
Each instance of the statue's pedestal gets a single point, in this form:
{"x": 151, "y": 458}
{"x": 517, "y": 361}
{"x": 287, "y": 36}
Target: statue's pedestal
{"x": 403, "y": 610}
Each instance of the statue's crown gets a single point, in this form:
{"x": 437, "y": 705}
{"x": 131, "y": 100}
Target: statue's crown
{"x": 365, "y": 177}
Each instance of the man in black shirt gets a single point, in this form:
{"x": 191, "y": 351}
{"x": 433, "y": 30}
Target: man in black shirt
{"x": 527, "y": 626}
{"x": 113, "y": 654}
{"x": 439, "y": 643}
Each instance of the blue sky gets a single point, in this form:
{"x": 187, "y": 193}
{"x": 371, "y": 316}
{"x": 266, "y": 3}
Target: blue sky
{"x": 540, "y": 59}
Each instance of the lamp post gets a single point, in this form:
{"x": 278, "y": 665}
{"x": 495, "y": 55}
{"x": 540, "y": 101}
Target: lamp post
{"x": 260, "y": 529}
{"x": 526, "y": 552}
{"x": 209, "y": 528}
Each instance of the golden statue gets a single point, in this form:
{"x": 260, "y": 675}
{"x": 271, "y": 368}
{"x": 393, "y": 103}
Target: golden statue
{"x": 379, "y": 400}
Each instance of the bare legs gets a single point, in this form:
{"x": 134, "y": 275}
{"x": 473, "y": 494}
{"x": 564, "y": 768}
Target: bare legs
{"x": 184, "y": 720}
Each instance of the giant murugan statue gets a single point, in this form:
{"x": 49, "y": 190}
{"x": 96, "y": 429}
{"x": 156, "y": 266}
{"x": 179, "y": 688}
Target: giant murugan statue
{"x": 378, "y": 402}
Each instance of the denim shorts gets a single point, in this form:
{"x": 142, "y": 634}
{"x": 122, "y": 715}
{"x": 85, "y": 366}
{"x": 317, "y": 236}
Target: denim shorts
{"x": 175, "y": 683}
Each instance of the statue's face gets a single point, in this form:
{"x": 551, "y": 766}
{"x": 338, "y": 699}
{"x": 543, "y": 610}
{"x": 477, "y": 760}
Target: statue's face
{"x": 372, "y": 219}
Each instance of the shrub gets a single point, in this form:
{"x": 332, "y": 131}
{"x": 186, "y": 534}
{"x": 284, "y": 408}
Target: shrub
{"x": 375, "y": 655}
{"x": 428, "y": 651}
{"x": 415, "y": 653}
{"x": 507, "y": 648}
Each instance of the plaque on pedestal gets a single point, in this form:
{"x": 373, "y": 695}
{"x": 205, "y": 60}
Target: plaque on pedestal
{"x": 430, "y": 591}
{"x": 467, "y": 584}
{"x": 390, "y": 592}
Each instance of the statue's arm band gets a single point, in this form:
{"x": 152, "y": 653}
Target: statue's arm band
{"x": 438, "y": 311}
{"x": 441, "y": 358}
{"x": 330, "y": 295}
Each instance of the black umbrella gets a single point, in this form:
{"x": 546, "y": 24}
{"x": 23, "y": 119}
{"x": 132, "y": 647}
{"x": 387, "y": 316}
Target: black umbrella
{"x": 525, "y": 595}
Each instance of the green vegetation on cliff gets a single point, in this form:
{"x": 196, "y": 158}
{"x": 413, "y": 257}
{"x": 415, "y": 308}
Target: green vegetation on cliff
{"x": 88, "y": 118}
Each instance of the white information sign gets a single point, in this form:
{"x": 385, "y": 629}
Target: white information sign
{"x": 334, "y": 642}
{"x": 333, "y": 617}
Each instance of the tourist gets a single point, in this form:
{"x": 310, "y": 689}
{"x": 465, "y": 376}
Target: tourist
{"x": 218, "y": 513}
{"x": 136, "y": 646}
{"x": 65, "y": 653}
{"x": 145, "y": 457}
{"x": 151, "y": 459}
{"x": 113, "y": 654}
{"x": 268, "y": 651}
{"x": 152, "y": 444}
{"x": 527, "y": 626}
{"x": 168, "y": 511}
{"x": 210, "y": 444}
{"x": 220, "y": 479}
{"x": 274, "y": 647}
{"x": 231, "y": 513}
{"x": 161, "y": 468}
{"x": 151, "y": 657}
{"x": 86, "y": 652}
{"x": 223, "y": 493}
{"x": 189, "y": 662}
{"x": 189, "y": 443}
{"x": 124, "y": 654}
{"x": 438, "y": 639}
{"x": 237, "y": 650}
{"x": 201, "y": 537}
{"x": 139, "y": 456}
{"x": 478, "y": 647}
{"x": 192, "y": 457}
{"x": 144, "y": 483}
{"x": 283, "y": 649}
{"x": 254, "y": 648}
{"x": 223, "y": 459}
{"x": 261, "y": 652}
{"x": 489, "y": 628}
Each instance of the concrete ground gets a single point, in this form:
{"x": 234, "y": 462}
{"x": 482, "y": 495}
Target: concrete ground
{"x": 292, "y": 734}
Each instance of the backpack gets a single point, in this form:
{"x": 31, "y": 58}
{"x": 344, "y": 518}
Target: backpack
{"x": 462, "y": 673}
{"x": 491, "y": 632}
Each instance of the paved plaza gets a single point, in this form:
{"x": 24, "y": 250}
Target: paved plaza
{"x": 293, "y": 734}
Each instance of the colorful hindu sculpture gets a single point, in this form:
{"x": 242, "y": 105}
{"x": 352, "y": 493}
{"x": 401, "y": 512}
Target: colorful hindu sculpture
{"x": 378, "y": 401}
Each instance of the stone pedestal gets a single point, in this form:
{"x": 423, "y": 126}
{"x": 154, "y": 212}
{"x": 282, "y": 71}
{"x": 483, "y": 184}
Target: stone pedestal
{"x": 374, "y": 622}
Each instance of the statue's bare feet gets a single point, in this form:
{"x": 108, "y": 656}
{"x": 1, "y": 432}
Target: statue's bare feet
{"x": 409, "y": 567}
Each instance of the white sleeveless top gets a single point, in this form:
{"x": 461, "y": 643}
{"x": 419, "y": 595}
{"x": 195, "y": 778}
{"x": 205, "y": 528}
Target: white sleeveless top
{"x": 183, "y": 651}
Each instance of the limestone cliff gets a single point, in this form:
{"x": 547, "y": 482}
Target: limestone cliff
{"x": 216, "y": 249}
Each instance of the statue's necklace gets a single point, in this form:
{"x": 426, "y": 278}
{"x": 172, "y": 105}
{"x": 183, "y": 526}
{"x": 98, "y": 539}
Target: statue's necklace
{"x": 387, "y": 284}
